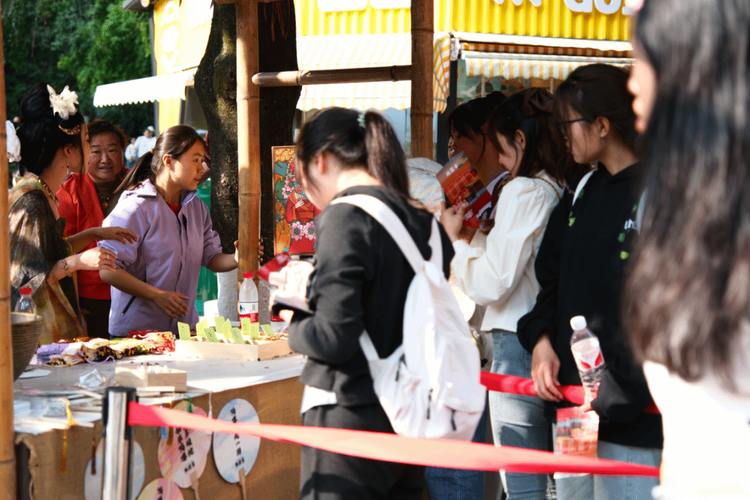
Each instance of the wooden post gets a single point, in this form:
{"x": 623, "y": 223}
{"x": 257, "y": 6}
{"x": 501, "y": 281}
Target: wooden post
{"x": 422, "y": 34}
{"x": 7, "y": 447}
{"x": 248, "y": 135}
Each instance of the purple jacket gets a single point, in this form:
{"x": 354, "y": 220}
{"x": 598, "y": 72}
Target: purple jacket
{"x": 169, "y": 254}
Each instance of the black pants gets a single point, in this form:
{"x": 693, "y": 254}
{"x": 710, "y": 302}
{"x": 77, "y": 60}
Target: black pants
{"x": 95, "y": 313}
{"x": 330, "y": 476}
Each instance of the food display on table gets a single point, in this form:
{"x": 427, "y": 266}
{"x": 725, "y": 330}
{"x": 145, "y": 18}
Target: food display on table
{"x": 86, "y": 349}
{"x": 253, "y": 342}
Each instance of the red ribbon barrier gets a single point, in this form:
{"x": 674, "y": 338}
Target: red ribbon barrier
{"x": 510, "y": 384}
{"x": 394, "y": 448}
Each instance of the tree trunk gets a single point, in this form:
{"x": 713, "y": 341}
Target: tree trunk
{"x": 216, "y": 84}
{"x": 216, "y": 87}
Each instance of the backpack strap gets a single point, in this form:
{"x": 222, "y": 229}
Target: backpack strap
{"x": 582, "y": 183}
{"x": 391, "y": 223}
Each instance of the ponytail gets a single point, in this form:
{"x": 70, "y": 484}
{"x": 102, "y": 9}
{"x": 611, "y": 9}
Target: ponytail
{"x": 173, "y": 142}
{"x": 385, "y": 162}
{"x": 141, "y": 171}
{"x": 359, "y": 140}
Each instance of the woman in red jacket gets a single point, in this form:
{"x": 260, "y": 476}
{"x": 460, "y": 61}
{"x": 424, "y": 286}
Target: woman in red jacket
{"x": 85, "y": 200}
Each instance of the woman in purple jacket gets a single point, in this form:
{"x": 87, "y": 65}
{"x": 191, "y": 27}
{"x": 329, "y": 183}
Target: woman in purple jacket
{"x": 156, "y": 280}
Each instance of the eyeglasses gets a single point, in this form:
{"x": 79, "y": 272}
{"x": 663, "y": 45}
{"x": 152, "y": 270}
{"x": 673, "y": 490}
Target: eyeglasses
{"x": 563, "y": 124}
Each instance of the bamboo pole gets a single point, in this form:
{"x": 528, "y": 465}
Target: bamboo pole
{"x": 326, "y": 76}
{"x": 248, "y": 135}
{"x": 7, "y": 448}
{"x": 422, "y": 34}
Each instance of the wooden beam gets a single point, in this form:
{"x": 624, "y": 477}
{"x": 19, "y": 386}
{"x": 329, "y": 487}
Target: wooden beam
{"x": 248, "y": 135}
{"x": 7, "y": 442}
{"x": 326, "y": 76}
{"x": 422, "y": 33}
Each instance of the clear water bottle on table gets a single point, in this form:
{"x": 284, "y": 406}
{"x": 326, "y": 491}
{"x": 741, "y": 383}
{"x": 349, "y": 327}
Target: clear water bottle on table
{"x": 588, "y": 356}
{"x": 26, "y": 303}
{"x": 248, "y": 298}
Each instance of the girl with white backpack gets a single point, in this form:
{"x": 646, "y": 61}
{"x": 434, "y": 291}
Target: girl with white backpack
{"x": 359, "y": 283}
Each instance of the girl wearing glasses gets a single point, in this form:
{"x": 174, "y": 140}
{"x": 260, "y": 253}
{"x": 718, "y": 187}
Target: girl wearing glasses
{"x": 497, "y": 269}
{"x": 580, "y": 267}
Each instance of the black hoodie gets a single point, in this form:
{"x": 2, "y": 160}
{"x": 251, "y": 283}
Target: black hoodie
{"x": 580, "y": 267}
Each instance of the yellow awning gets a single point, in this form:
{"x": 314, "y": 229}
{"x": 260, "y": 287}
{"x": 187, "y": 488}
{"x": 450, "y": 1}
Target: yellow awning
{"x": 511, "y": 66}
{"x": 514, "y": 56}
{"x": 544, "y": 44}
{"x": 153, "y": 88}
{"x": 359, "y": 51}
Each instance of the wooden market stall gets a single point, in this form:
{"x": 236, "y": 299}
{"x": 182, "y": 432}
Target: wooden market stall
{"x": 489, "y": 40}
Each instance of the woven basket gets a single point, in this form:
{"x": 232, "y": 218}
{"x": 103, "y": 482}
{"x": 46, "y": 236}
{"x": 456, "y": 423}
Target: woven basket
{"x": 26, "y": 330}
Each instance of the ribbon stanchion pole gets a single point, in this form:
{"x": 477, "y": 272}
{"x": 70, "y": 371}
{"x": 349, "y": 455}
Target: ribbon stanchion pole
{"x": 118, "y": 438}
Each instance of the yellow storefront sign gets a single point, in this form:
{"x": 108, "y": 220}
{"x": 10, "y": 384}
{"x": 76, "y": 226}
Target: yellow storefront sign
{"x": 583, "y": 19}
{"x": 181, "y": 30}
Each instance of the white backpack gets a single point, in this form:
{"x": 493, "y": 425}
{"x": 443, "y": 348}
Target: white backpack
{"x": 429, "y": 387}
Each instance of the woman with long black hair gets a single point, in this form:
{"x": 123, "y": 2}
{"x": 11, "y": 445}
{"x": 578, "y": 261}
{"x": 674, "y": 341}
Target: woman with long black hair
{"x": 687, "y": 299}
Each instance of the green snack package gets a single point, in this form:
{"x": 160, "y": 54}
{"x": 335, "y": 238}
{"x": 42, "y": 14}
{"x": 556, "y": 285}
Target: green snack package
{"x": 211, "y": 335}
{"x": 184, "y": 330}
{"x": 226, "y": 329}
{"x": 236, "y": 335}
{"x": 245, "y": 323}
{"x": 254, "y": 331}
{"x": 219, "y": 323}
{"x": 200, "y": 328}
{"x": 268, "y": 331}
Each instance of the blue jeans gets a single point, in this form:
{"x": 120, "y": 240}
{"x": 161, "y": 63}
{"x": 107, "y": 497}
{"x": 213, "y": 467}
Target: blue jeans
{"x": 458, "y": 484}
{"x": 613, "y": 487}
{"x": 518, "y": 420}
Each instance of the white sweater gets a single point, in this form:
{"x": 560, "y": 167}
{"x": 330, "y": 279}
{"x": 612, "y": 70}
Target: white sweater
{"x": 706, "y": 432}
{"x": 497, "y": 270}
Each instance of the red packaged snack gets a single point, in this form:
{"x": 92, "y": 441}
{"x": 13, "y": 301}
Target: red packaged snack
{"x": 278, "y": 262}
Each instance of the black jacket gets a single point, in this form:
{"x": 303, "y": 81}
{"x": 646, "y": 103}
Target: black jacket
{"x": 360, "y": 282}
{"x": 580, "y": 267}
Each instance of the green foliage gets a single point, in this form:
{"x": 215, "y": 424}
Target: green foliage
{"x": 79, "y": 43}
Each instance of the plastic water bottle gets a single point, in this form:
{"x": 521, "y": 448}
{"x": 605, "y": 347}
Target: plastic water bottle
{"x": 248, "y": 298}
{"x": 26, "y": 303}
{"x": 588, "y": 356}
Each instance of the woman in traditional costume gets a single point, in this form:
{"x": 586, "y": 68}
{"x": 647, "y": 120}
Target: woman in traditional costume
{"x": 54, "y": 142}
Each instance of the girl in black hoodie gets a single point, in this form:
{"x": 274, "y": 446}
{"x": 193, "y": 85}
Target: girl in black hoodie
{"x": 580, "y": 266}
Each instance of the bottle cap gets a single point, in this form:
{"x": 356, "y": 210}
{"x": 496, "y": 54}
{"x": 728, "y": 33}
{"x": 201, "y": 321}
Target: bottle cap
{"x": 26, "y": 290}
{"x": 578, "y": 323}
{"x": 247, "y": 275}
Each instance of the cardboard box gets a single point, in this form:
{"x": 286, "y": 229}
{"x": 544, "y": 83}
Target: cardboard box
{"x": 261, "y": 350}
{"x": 166, "y": 377}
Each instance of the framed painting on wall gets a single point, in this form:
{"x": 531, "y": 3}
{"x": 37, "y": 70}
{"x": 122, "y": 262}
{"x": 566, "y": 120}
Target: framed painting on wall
{"x": 293, "y": 211}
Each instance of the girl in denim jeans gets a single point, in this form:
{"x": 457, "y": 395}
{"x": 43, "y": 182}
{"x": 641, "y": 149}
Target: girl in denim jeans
{"x": 496, "y": 269}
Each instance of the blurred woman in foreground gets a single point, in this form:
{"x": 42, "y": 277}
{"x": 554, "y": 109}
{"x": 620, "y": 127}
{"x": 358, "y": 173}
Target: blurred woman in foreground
{"x": 687, "y": 300}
